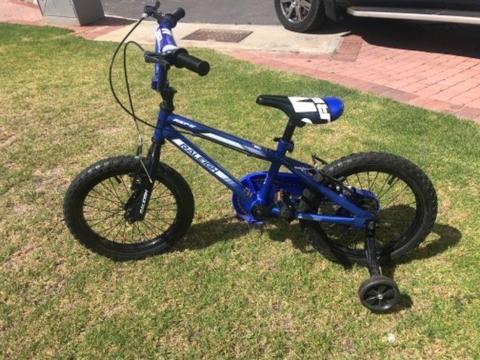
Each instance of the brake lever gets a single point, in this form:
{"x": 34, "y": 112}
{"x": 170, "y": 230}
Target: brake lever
{"x": 150, "y": 10}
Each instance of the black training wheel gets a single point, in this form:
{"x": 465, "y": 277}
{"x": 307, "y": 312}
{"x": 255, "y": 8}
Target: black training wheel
{"x": 379, "y": 294}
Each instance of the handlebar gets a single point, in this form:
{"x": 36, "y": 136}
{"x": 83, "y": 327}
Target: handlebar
{"x": 173, "y": 18}
{"x": 179, "y": 58}
{"x": 184, "y": 60}
{"x": 166, "y": 50}
{"x": 177, "y": 15}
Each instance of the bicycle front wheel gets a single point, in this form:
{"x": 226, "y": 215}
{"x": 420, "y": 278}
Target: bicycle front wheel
{"x": 96, "y": 202}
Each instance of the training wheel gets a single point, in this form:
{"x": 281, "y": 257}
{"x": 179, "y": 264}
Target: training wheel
{"x": 379, "y": 293}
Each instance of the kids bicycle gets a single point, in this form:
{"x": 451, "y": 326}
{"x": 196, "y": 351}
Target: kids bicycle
{"x": 369, "y": 208}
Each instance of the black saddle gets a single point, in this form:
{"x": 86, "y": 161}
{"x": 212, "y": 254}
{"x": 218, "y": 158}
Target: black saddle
{"x": 304, "y": 110}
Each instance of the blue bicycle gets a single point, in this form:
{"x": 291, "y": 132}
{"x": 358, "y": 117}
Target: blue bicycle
{"x": 369, "y": 208}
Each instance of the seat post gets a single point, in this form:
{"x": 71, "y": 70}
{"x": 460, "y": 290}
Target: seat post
{"x": 289, "y": 130}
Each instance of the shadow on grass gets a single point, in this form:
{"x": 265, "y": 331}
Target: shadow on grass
{"x": 202, "y": 235}
{"x": 226, "y": 229}
{"x": 448, "y": 237}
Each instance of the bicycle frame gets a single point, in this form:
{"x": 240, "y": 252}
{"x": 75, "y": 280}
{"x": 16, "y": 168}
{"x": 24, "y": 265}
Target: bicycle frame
{"x": 166, "y": 129}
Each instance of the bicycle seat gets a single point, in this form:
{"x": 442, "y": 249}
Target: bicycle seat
{"x": 305, "y": 110}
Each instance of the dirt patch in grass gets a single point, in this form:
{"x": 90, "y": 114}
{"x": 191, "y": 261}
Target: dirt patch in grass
{"x": 6, "y": 138}
{"x": 46, "y": 180}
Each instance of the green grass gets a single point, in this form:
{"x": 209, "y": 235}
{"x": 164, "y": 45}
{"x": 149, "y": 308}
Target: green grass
{"x": 225, "y": 291}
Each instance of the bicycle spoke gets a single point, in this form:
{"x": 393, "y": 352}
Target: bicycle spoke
{"x": 127, "y": 190}
{"x": 161, "y": 195}
{"x": 109, "y": 230}
{"x": 123, "y": 232}
{"x": 153, "y": 225}
{"x": 102, "y": 198}
{"x": 383, "y": 187}
{"x": 114, "y": 190}
{"x": 368, "y": 180}
{"x": 100, "y": 220}
{"x": 119, "y": 230}
{"x": 110, "y": 191}
{"x": 141, "y": 232}
{"x": 161, "y": 208}
{"x": 359, "y": 182}
{"x": 104, "y": 210}
{"x": 174, "y": 203}
{"x": 163, "y": 221}
{"x": 391, "y": 185}
{"x": 396, "y": 196}
{"x": 156, "y": 215}
{"x": 374, "y": 180}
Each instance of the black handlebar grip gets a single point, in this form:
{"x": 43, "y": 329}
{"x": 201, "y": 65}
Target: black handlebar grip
{"x": 178, "y": 14}
{"x": 184, "y": 59}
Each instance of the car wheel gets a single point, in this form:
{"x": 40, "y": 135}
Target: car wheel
{"x": 300, "y": 15}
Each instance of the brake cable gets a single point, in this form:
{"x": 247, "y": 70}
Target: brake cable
{"x": 130, "y": 111}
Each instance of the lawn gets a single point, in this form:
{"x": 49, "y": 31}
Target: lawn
{"x": 225, "y": 290}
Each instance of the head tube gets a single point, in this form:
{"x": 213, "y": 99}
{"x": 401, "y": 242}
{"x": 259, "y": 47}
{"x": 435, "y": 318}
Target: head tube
{"x": 164, "y": 38}
{"x": 164, "y": 43}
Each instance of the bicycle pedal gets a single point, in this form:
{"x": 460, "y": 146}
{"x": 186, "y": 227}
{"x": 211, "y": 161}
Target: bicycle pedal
{"x": 287, "y": 212}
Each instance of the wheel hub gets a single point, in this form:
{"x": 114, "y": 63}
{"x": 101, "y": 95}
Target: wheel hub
{"x": 379, "y": 293}
{"x": 368, "y": 201}
{"x": 296, "y": 10}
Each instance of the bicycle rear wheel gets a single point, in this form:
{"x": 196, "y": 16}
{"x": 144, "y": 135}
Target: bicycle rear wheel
{"x": 404, "y": 201}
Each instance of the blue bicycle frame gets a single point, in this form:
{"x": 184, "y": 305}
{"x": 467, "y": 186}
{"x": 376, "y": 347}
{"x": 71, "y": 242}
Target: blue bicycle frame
{"x": 166, "y": 129}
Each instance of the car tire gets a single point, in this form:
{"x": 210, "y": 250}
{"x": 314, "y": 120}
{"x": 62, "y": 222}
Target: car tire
{"x": 300, "y": 15}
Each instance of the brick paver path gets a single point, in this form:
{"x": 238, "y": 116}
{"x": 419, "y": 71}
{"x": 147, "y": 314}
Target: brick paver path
{"x": 19, "y": 12}
{"x": 439, "y": 69}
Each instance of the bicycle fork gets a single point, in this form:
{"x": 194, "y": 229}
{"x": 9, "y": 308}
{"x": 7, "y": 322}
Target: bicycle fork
{"x": 142, "y": 185}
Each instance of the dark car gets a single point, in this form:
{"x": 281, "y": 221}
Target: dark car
{"x": 308, "y": 15}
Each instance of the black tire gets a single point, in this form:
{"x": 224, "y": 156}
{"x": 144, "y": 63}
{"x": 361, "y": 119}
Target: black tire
{"x": 393, "y": 241}
{"x": 309, "y": 20}
{"x": 107, "y": 183}
{"x": 379, "y": 294}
